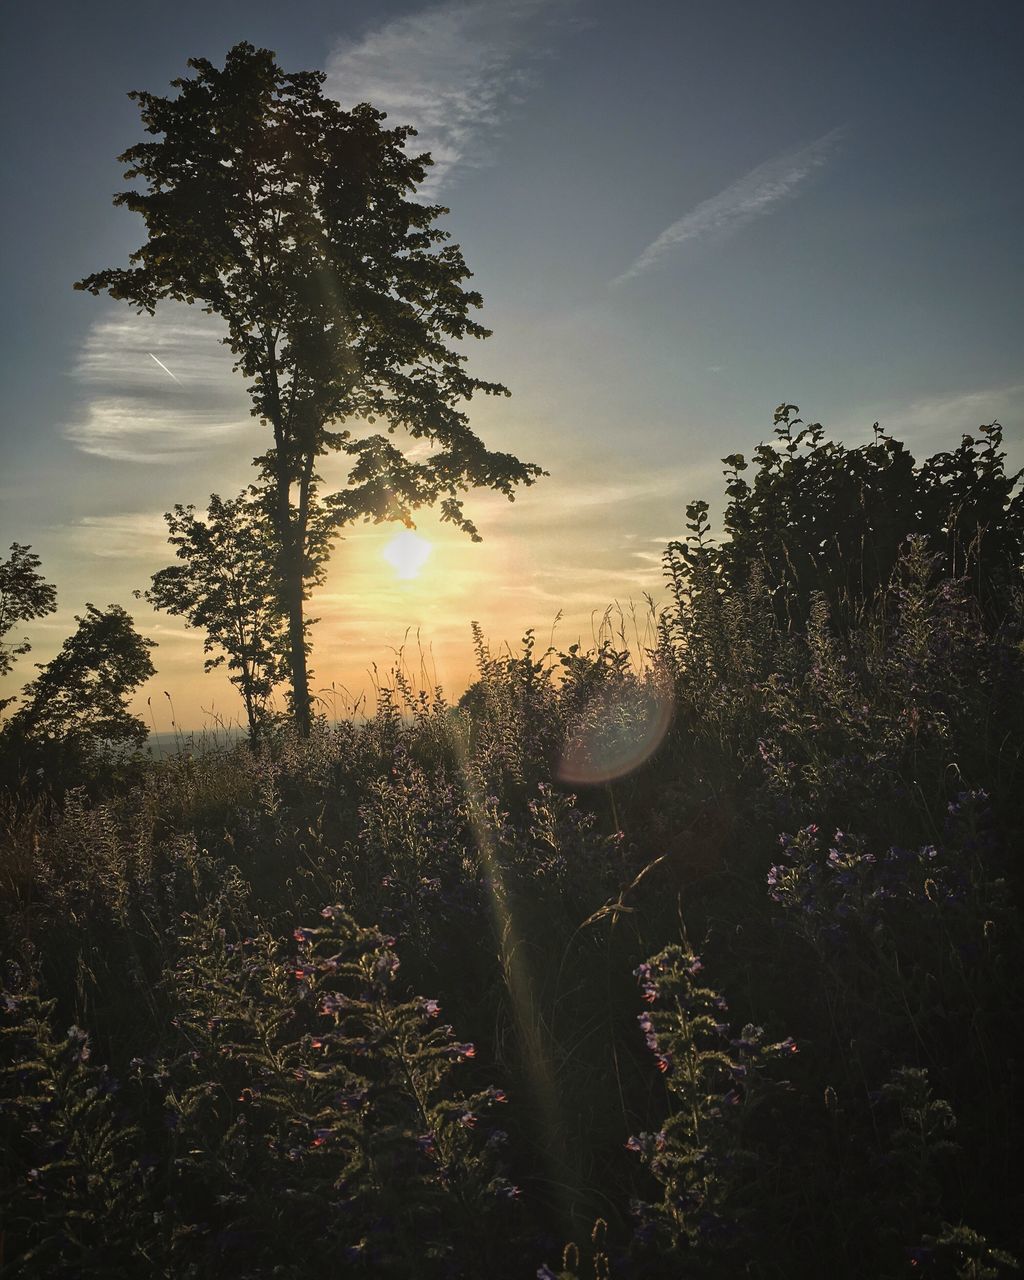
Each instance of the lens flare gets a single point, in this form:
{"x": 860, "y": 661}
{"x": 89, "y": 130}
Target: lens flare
{"x": 619, "y": 728}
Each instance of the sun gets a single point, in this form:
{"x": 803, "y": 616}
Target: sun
{"x": 407, "y": 553}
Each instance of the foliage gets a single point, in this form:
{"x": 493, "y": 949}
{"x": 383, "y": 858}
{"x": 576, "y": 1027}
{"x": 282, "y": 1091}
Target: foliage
{"x": 24, "y": 595}
{"x": 819, "y": 516}
{"x": 714, "y": 1081}
{"x": 307, "y": 1103}
{"x": 73, "y": 1187}
{"x": 291, "y": 220}
{"x": 222, "y": 586}
{"x": 823, "y": 1080}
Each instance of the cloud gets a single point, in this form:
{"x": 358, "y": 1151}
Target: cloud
{"x": 134, "y": 412}
{"x": 938, "y": 422}
{"x": 453, "y": 70}
{"x": 759, "y": 192}
{"x": 125, "y": 536}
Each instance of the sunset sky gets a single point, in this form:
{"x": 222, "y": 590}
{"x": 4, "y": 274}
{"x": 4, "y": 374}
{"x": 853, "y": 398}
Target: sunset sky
{"x": 679, "y": 215}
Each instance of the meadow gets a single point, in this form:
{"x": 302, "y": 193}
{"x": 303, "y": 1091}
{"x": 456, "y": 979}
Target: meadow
{"x": 700, "y": 960}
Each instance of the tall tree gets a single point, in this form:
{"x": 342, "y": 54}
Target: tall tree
{"x": 292, "y": 220}
{"x": 24, "y": 594}
{"x": 221, "y": 586}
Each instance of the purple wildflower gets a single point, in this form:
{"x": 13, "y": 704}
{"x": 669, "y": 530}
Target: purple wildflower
{"x": 461, "y": 1051}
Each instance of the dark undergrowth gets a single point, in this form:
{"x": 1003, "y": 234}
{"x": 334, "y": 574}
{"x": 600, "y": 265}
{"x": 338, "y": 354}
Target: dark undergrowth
{"x": 468, "y": 991}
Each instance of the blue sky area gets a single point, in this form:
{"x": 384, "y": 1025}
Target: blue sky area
{"x": 679, "y": 215}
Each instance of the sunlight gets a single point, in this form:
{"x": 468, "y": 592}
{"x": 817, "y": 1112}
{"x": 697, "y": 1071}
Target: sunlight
{"x": 407, "y": 553}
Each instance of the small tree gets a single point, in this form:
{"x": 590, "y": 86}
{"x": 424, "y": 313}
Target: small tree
{"x": 23, "y": 595}
{"x": 80, "y": 701}
{"x": 291, "y": 219}
{"x": 222, "y": 587}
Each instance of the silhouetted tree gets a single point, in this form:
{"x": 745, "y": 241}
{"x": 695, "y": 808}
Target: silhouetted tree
{"x": 222, "y": 587}
{"x": 291, "y": 219}
{"x": 79, "y": 702}
{"x": 24, "y": 594}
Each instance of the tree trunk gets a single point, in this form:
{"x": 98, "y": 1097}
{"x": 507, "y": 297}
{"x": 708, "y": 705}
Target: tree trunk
{"x": 292, "y": 541}
{"x": 297, "y": 645}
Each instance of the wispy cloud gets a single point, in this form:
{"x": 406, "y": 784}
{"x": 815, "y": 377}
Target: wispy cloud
{"x": 935, "y": 423}
{"x": 133, "y": 412}
{"x": 941, "y": 420}
{"x": 759, "y": 192}
{"x": 452, "y": 70}
{"x": 132, "y": 535}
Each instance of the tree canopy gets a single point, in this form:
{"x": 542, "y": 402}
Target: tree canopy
{"x": 294, "y": 220}
{"x": 80, "y": 698}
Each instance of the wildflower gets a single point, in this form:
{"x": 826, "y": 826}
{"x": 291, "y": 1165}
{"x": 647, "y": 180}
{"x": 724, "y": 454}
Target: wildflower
{"x": 304, "y": 936}
{"x": 333, "y": 913}
{"x": 430, "y": 1007}
{"x": 544, "y": 1272}
{"x": 788, "y": 1045}
{"x": 664, "y": 1062}
{"x": 633, "y": 1144}
{"x": 496, "y": 1095}
{"x": 461, "y": 1051}
{"x": 320, "y": 1137}
{"x": 426, "y": 1143}
{"x": 644, "y": 974}
{"x": 335, "y": 1002}
{"x": 507, "y": 1191}
{"x": 748, "y": 1040}
{"x": 78, "y": 1042}
{"x": 468, "y": 1120}
{"x": 350, "y": 1101}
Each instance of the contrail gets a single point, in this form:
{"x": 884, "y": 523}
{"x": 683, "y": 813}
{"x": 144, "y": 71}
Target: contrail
{"x": 164, "y": 367}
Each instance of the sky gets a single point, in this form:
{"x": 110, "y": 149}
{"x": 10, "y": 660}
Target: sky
{"x": 679, "y": 215}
